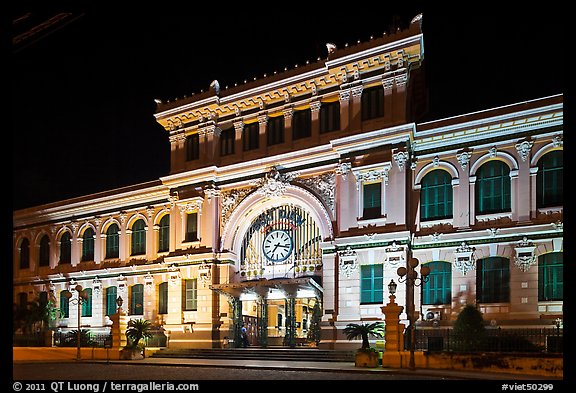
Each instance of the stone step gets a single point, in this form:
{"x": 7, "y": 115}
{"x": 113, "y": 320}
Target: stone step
{"x": 259, "y": 353}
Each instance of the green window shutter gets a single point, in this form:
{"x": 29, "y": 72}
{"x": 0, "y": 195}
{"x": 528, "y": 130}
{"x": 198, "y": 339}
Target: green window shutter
{"x": 372, "y": 284}
{"x": 138, "y": 238}
{"x": 551, "y": 276}
{"x": 137, "y": 299}
{"x": 64, "y": 304}
{"x": 372, "y": 200}
{"x": 163, "y": 298}
{"x": 25, "y": 254}
{"x": 87, "y": 303}
{"x": 436, "y": 195}
{"x": 438, "y": 289}
{"x": 192, "y": 227}
{"x": 65, "y": 248}
{"x": 549, "y": 180}
{"x": 493, "y": 280}
{"x": 190, "y": 301}
{"x": 164, "y": 234}
{"x": 493, "y": 188}
{"x": 111, "y": 296}
{"x": 112, "y": 242}
{"x": 88, "y": 245}
{"x": 44, "y": 259}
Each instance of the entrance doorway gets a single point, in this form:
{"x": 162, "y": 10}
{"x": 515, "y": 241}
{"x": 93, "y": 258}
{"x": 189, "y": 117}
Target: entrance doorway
{"x": 251, "y": 325}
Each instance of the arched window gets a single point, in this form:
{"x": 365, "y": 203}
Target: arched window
{"x": 436, "y": 196}
{"x": 112, "y": 242}
{"x": 87, "y": 303}
{"x": 44, "y": 257}
{"x": 493, "y": 188}
{"x": 163, "y": 298}
{"x": 64, "y": 305}
{"x": 493, "y": 280}
{"x": 549, "y": 181}
{"x": 65, "y": 248}
{"x": 111, "y": 296}
{"x": 25, "y": 254}
{"x": 137, "y": 299}
{"x": 138, "y": 238}
{"x": 164, "y": 234}
{"x": 551, "y": 276}
{"x": 438, "y": 290}
{"x": 88, "y": 245}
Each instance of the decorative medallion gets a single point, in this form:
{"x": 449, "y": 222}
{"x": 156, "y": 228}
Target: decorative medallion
{"x": 273, "y": 184}
{"x": 348, "y": 262}
{"x": 464, "y": 158}
{"x": 464, "y": 258}
{"x": 524, "y": 148}
{"x": 401, "y": 158}
{"x": 525, "y": 256}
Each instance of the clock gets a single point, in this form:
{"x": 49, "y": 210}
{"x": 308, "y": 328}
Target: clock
{"x": 277, "y": 245}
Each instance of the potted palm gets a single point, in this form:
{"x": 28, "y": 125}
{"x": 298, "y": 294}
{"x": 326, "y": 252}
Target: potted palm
{"x": 136, "y": 331}
{"x": 366, "y": 356}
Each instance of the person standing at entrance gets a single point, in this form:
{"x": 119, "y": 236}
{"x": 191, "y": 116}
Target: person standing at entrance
{"x": 244, "y": 336}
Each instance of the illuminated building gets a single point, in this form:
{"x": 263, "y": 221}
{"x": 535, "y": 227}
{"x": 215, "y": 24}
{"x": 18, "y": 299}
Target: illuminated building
{"x": 311, "y": 187}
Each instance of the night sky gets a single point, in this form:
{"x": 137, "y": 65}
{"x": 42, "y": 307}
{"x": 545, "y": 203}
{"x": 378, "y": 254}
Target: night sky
{"x": 83, "y": 95}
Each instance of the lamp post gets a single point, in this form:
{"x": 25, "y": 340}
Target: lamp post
{"x": 392, "y": 287}
{"x": 80, "y": 300}
{"x": 410, "y": 276}
{"x": 119, "y": 302}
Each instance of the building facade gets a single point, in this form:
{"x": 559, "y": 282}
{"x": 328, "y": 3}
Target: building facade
{"x": 292, "y": 200}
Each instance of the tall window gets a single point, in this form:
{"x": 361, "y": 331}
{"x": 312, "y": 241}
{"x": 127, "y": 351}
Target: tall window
{"x": 112, "y": 242}
{"x": 192, "y": 147}
{"x": 302, "y": 124}
{"x": 65, "y": 248}
{"x": 372, "y": 200}
{"x": 191, "y": 227}
{"x": 163, "y": 298}
{"x": 549, "y": 180}
{"x": 25, "y": 254}
{"x": 190, "y": 295}
{"x": 493, "y": 188}
{"x": 164, "y": 234}
{"x": 372, "y": 103}
{"x": 111, "y": 296}
{"x": 64, "y": 305}
{"x": 227, "y": 140}
{"x": 438, "y": 290}
{"x": 551, "y": 276}
{"x": 329, "y": 116}
{"x": 275, "y": 130}
{"x": 372, "y": 284}
{"x": 139, "y": 238}
{"x": 23, "y": 300}
{"x": 87, "y": 303}
{"x": 137, "y": 299}
{"x": 251, "y": 136}
{"x": 43, "y": 298}
{"x": 436, "y": 195}
{"x": 44, "y": 251}
{"x": 493, "y": 280}
{"x": 88, "y": 245}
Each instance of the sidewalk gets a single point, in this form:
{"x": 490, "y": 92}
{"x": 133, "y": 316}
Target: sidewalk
{"x": 323, "y": 366}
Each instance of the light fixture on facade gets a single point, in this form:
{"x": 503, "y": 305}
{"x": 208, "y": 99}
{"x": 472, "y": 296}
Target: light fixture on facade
{"x": 392, "y": 287}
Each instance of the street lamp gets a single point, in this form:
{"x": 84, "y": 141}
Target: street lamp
{"x": 81, "y": 299}
{"x": 410, "y": 276}
{"x": 392, "y": 287}
{"x": 119, "y": 302}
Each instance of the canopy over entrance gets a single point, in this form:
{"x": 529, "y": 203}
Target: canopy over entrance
{"x": 271, "y": 289}
{"x": 273, "y": 311}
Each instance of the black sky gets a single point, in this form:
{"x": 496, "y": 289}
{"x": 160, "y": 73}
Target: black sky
{"x": 83, "y": 96}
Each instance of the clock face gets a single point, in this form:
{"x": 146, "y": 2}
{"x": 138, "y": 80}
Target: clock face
{"x": 277, "y": 246}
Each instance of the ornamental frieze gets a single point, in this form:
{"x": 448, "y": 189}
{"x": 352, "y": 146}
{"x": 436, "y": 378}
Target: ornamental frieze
{"x": 324, "y": 186}
{"x": 231, "y": 199}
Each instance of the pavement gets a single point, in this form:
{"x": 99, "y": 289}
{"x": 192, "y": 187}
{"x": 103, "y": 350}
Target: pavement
{"x": 346, "y": 367}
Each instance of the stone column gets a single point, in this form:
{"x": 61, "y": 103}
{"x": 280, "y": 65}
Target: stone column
{"x": 263, "y": 121}
{"x": 393, "y": 334}
{"x": 356, "y": 108}
{"x": 238, "y": 142}
{"x": 288, "y": 112}
{"x": 124, "y": 238}
{"x": 75, "y": 245}
{"x": 315, "y": 111}
{"x": 344, "y": 98}
{"x": 98, "y": 242}
{"x": 119, "y": 325}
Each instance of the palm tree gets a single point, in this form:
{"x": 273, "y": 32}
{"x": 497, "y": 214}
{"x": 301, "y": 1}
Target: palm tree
{"x": 364, "y": 331}
{"x": 137, "y": 330}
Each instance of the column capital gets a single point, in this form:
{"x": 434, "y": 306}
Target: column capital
{"x": 315, "y": 106}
